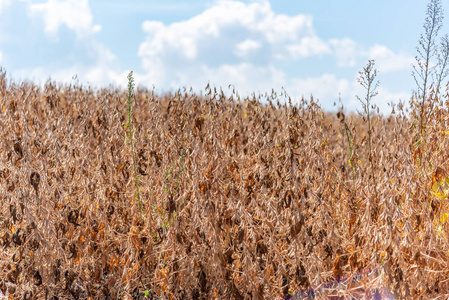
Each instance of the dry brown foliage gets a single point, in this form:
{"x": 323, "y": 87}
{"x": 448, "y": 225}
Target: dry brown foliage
{"x": 240, "y": 200}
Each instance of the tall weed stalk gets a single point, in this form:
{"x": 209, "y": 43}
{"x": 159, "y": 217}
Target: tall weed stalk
{"x": 431, "y": 66}
{"x": 429, "y": 72}
{"x": 129, "y": 139}
{"x": 367, "y": 79}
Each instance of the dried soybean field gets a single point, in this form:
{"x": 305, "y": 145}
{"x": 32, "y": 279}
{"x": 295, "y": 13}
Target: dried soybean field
{"x": 216, "y": 197}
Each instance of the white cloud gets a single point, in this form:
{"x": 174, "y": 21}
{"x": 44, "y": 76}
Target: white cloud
{"x": 229, "y": 35}
{"x": 308, "y": 46}
{"x": 388, "y": 61}
{"x": 4, "y": 3}
{"x": 245, "y": 44}
{"x": 347, "y": 52}
{"x": 103, "y": 71}
{"x": 230, "y": 25}
{"x": 75, "y": 14}
{"x": 282, "y": 28}
{"x": 246, "y": 47}
{"x": 97, "y": 75}
{"x": 102, "y": 65}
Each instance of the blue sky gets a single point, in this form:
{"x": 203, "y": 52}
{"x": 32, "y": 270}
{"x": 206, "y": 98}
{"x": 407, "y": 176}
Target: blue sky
{"x": 306, "y": 47}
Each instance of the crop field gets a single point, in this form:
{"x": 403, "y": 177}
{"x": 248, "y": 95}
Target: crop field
{"x": 113, "y": 194}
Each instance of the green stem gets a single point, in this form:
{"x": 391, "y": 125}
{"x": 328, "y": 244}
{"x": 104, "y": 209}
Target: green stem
{"x": 130, "y": 136}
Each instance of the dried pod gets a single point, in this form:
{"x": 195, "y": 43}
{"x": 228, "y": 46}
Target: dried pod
{"x": 261, "y": 248}
{"x": 57, "y": 271}
{"x": 229, "y": 258}
{"x": 3, "y": 287}
{"x": 240, "y": 236}
{"x": 13, "y": 213}
{"x": 303, "y": 280}
{"x": 110, "y": 211}
{"x": 14, "y": 274}
{"x": 180, "y": 238}
{"x": 73, "y": 217}
{"x": 73, "y": 251}
{"x": 18, "y": 237}
{"x": 70, "y": 277}
{"x": 202, "y": 279}
{"x": 37, "y": 278}
{"x": 171, "y": 206}
{"x": 35, "y": 179}
{"x": 18, "y": 149}
{"x": 296, "y": 228}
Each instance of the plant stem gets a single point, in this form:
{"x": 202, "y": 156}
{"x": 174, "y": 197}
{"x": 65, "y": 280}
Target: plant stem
{"x": 130, "y": 135}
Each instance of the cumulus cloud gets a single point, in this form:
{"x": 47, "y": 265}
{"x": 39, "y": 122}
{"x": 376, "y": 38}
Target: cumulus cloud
{"x": 388, "y": 61}
{"x": 242, "y": 43}
{"x": 347, "y": 52}
{"x": 229, "y": 34}
{"x": 101, "y": 65}
{"x": 246, "y": 47}
{"x": 104, "y": 71}
{"x": 74, "y": 14}
{"x": 247, "y": 44}
{"x": 308, "y": 46}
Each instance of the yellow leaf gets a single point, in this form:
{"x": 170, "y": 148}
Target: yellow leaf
{"x": 440, "y": 195}
{"x": 444, "y": 217}
{"x": 435, "y": 187}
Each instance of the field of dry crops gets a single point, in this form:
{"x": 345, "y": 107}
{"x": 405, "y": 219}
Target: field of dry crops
{"x": 239, "y": 200}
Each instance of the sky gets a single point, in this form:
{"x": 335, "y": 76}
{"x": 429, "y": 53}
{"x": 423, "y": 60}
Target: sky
{"x": 303, "y": 47}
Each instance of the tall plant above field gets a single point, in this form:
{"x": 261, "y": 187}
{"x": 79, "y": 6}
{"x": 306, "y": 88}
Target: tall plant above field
{"x": 130, "y": 134}
{"x": 427, "y": 72}
{"x": 367, "y": 79}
